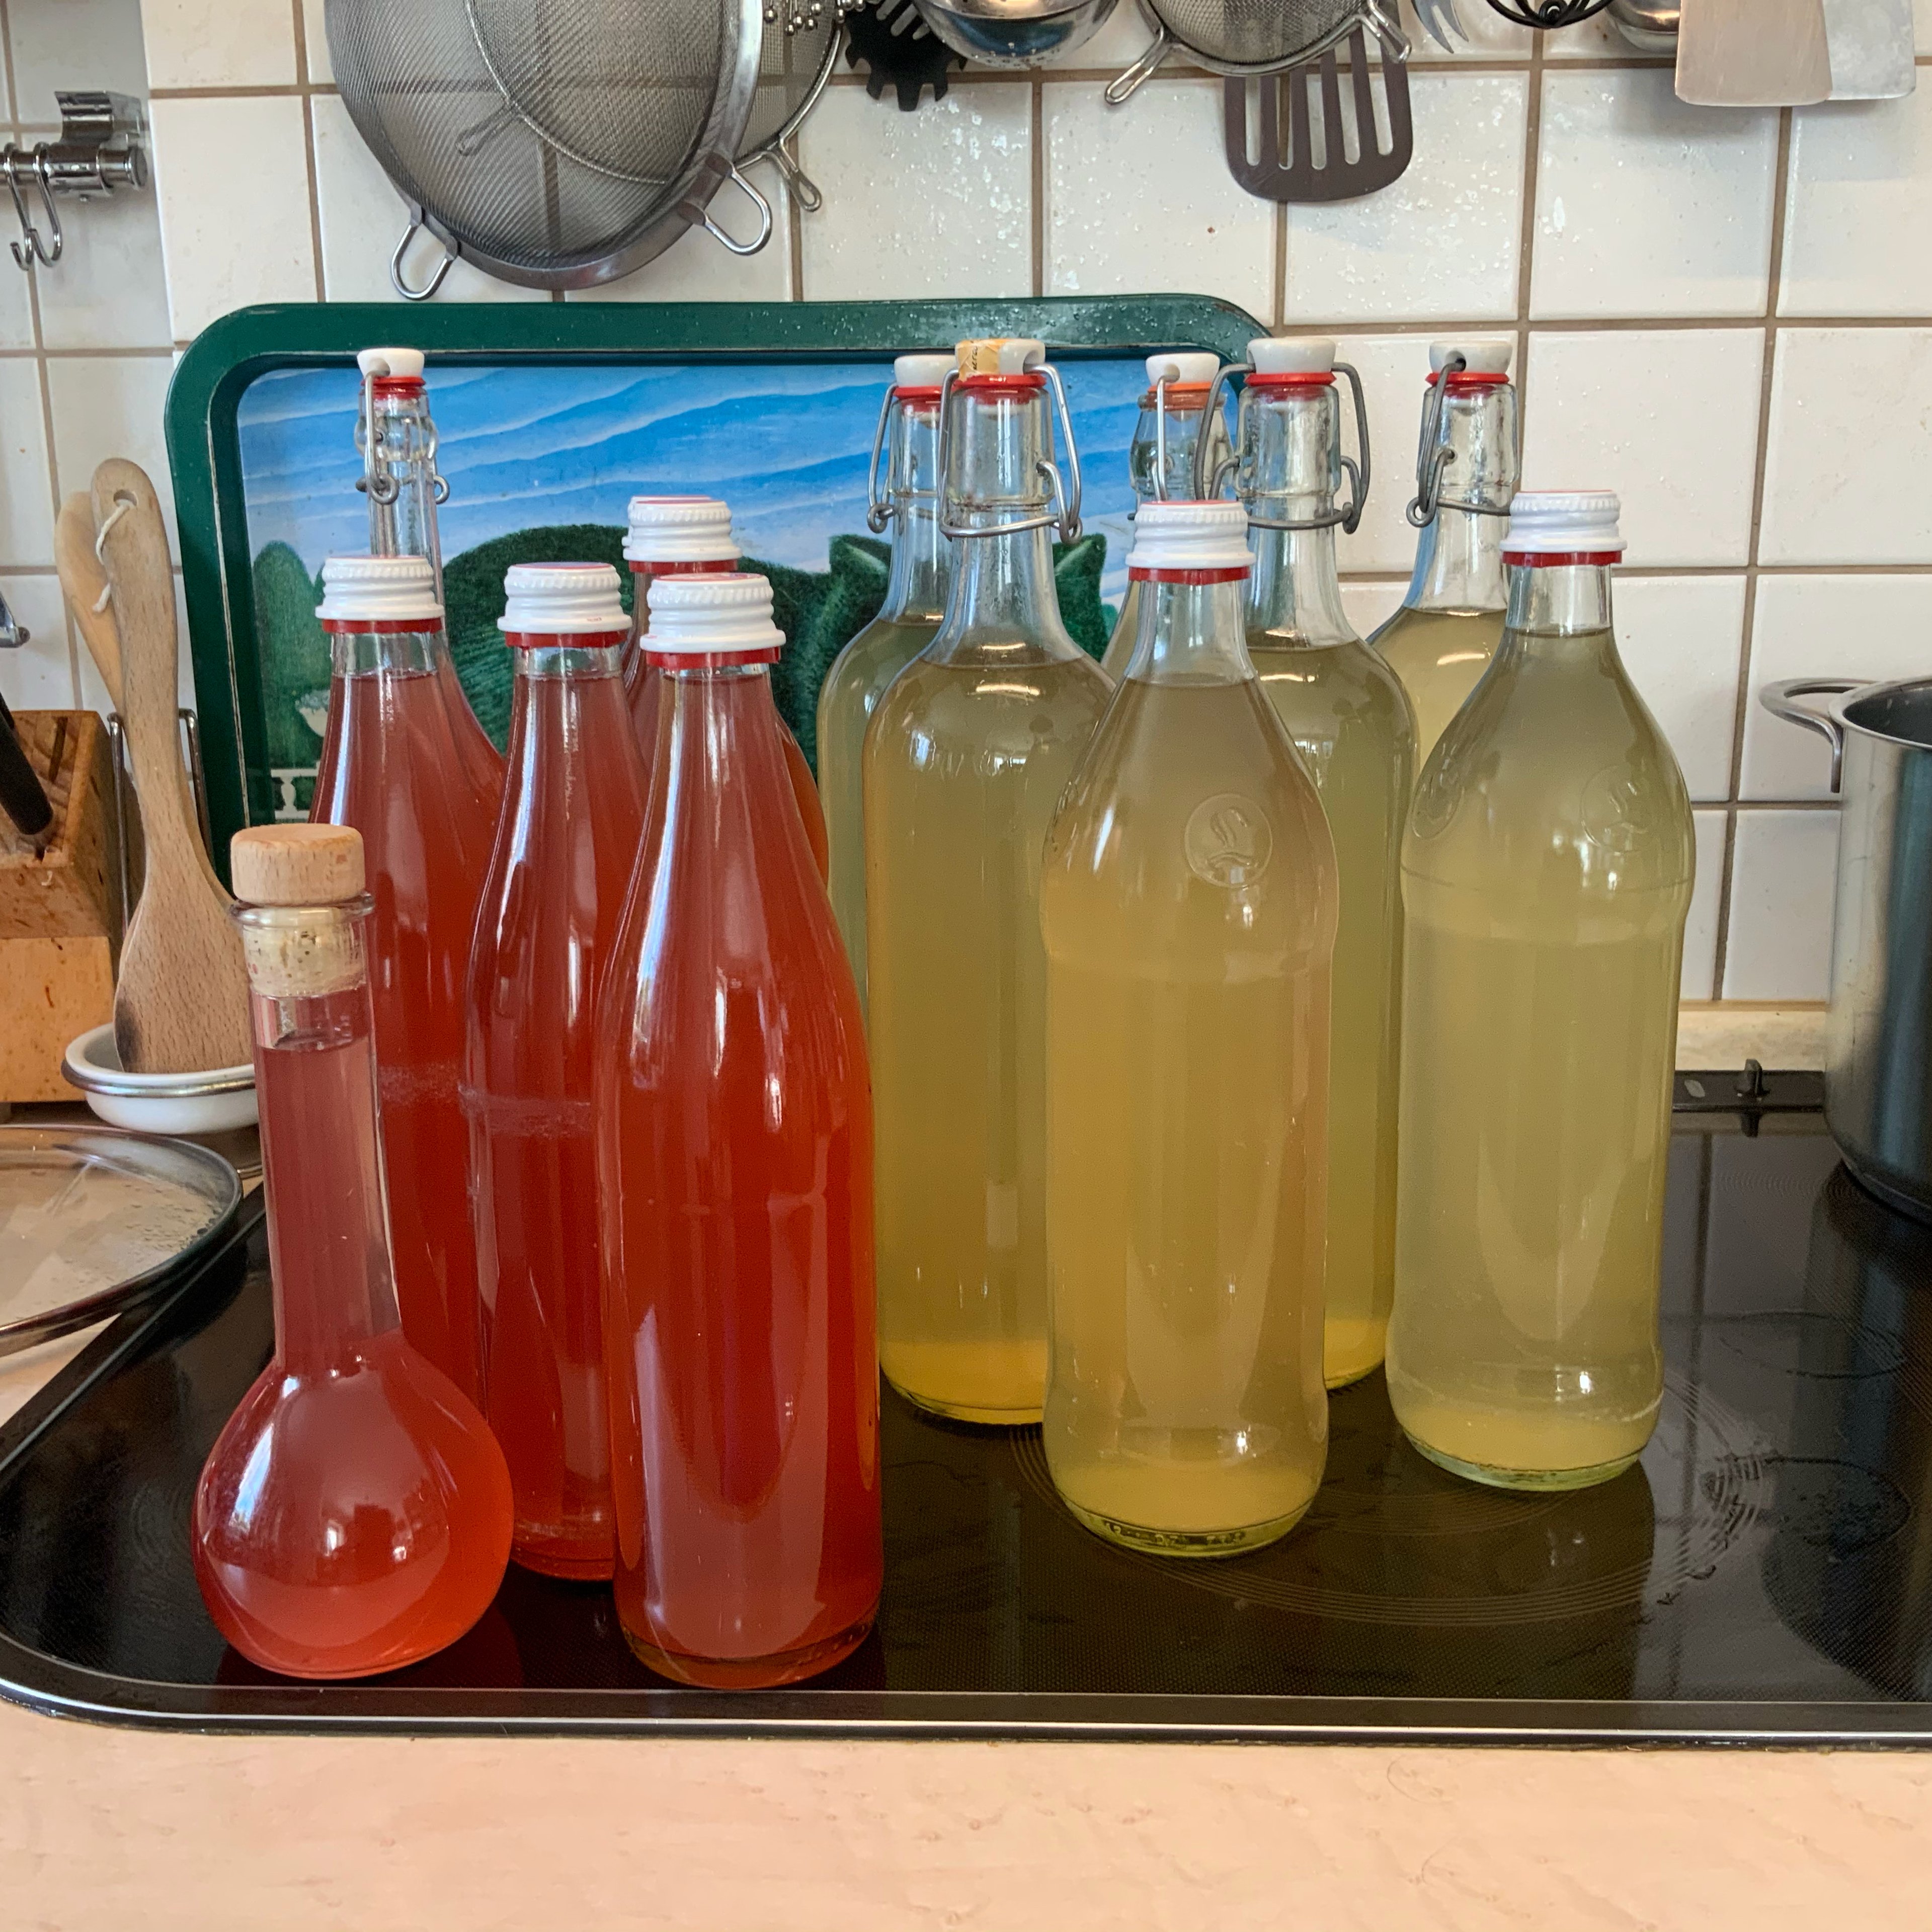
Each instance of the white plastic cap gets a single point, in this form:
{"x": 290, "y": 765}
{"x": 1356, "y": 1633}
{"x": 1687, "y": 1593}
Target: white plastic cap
{"x": 1296, "y": 356}
{"x": 679, "y": 529}
{"x": 922, "y": 372}
{"x": 1190, "y": 536}
{"x": 1486, "y": 357}
{"x": 1564, "y": 523}
{"x": 404, "y": 362}
{"x": 713, "y": 616}
{"x": 379, "y": 590}
{"x": 562, "y": 599}
{"x": 1188, "y": 366}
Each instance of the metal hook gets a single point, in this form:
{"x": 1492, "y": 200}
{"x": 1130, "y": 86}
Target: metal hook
{"x": 758, "y": 201}
{"x": 803, "y": 189}
{"x": 34, "y": 248}
{"x": 416, "y": 227}
{"x": 880, "y": 509}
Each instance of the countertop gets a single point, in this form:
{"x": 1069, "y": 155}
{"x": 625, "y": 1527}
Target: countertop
{"x": 102, "y": 1827}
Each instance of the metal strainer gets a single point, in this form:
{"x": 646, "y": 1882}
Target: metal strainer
{"x": 1253, "y": 36}
{"x": 564, "y": 143}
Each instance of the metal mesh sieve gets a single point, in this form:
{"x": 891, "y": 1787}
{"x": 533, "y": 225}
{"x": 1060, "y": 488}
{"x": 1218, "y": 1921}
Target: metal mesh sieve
{"x": 1254, "y": 37}
{"x": 561, "y": 143}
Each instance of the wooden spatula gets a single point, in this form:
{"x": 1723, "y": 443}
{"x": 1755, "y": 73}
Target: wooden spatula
{"x": 1753, "y": 53}
{"x": 182, "y": 1002}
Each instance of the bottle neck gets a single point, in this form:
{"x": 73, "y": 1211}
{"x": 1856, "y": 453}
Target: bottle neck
{"x": 1003, "y": 602}
{"x": 406, "y": 526}
{"x": 1289, "y": 470}
{"x": 1190, "y": 633}
{"x": 1459, "y": 561}
{"x": 1558, "y": 611}
{"x": 404, "y": 653}
{"x": 922, "y": 565}
{"x": 539, "y": 664}
{"x": 1175, "y": 484}
{"x": 644, "y": 575}
{"x": 315, "y": 1064}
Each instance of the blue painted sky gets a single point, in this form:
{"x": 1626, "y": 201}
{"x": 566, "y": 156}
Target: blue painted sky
{"x": 785, "y": 444}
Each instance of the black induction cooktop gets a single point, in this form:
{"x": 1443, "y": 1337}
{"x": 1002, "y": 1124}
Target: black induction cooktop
{"x": 1764, "y": 1574}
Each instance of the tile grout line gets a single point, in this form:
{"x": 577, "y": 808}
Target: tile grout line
{"x": 1036, "y": 192}
{"x": 41, "y": 373}
{"x": 794, "y": 227}
{"x": 311, "y": 167}
{"x": 1727, "y": 875}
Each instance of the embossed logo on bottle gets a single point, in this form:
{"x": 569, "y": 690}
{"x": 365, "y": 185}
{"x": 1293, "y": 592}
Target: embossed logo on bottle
{"x": 1228, "y": 840}
{"x": 1611, "y": 801}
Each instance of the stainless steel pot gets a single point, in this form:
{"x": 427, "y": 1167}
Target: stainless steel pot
{"x": 1013, "y": 33}
{"x": 1878, "y": 1069}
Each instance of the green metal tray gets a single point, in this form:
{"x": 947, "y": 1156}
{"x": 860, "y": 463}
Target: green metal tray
{"x": 204, "y": 447}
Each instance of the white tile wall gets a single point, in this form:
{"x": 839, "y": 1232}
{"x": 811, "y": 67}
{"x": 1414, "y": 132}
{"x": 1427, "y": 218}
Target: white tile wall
{"x": 85, "y": 345}
{"x": 935, "y": 203}
{"x": 1647, "y": 207}
{"x": 1444, "y": 241}
{"x": 1643, "y": 303}
{"x": 1861, "y": 627}
{"x": 1850, "y": 447}
{"x": 1140, "y": 197}
{"x": 1783, "y": 867}
{"x": 1668, "y": 418}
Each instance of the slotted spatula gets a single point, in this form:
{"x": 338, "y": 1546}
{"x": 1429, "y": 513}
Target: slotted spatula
{"x": 1350, "y": 160}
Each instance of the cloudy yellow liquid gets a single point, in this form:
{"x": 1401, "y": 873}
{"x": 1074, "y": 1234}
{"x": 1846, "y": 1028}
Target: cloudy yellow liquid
{"x": 1546, "y": 874}
{"x": 847, "y": 699}
{"x": 1346, "y": 714}
{"x": 963, "y": 764}
{"x": 1188, "y": 907}
{"x": 1438, "y": 655}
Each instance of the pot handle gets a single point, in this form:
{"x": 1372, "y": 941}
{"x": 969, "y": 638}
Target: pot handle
{"x": 1779, "y": 699}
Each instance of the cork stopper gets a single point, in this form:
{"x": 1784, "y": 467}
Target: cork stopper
{"x": 1001, "y": 355}
{"x": 296, "y": 865}
{"x": 299, "y": 895}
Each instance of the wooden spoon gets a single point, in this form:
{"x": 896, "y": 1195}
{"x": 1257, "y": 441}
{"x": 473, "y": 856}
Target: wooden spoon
{"x": 181, "y": 1005}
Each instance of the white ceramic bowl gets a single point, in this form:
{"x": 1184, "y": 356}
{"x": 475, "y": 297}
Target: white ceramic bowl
{"x": 217, "y": 1102}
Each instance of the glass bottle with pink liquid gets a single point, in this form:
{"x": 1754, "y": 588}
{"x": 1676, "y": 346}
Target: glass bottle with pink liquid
{"x": 691, "y": 536}
{"x": 354, "y": 1514}
{"x": 566, "y": 843}
{"x": 397, "y": 441}
{"x": 390, "y": 767}
{"x": 734, "y": 1163}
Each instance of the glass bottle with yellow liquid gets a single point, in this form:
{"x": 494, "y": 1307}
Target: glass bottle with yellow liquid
{"x": 1546, "y": 873}
{"x": 1161, "y": 461}
{"x": 922, "y": 571}
{"x": 965, "y": 758}
{"x": 1344, "y": 708}
{"x": 1451, "y": 620}
{"x": 1189, "y": 906}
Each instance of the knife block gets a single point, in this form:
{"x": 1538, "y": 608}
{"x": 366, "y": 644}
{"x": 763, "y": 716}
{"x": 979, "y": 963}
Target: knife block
{"x": 61, "y": 914}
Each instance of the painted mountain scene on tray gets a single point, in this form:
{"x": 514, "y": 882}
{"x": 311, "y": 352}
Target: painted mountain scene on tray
{"x": 541, "y": 461}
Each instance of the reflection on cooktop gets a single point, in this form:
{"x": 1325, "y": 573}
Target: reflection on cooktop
{"x": 1773, "y": 1545}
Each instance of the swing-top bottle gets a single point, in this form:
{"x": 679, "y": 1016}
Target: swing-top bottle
{"x": 1440, "y": 640}
{"x": 397, "y": 441}
{"x": 1346, "y": 711}
{"x": 965, "y": 759}
{"x": 921, "y": 571}
{"x": 1161, "y": 462}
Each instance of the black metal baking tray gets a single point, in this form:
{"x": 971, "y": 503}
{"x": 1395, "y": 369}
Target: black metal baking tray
{"x": 1758, "y": 1579}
